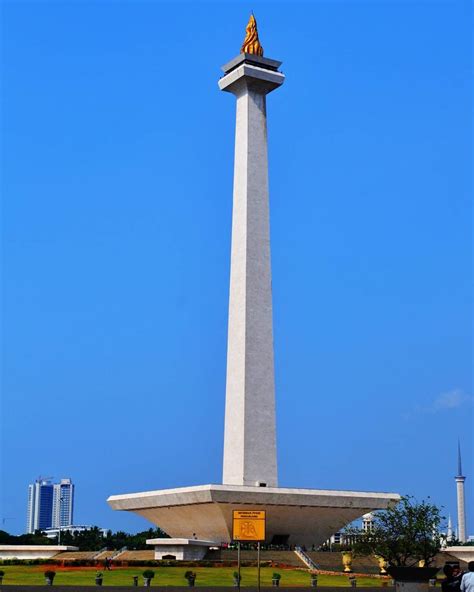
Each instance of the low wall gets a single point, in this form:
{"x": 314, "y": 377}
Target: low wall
{"x": 461, "y": 553}
{"x": 32, "y": 551}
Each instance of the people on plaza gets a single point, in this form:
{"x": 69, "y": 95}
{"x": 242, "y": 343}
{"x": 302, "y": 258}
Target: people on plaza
{"x": 467, "y": 581}
{"x": 452, "y": 581}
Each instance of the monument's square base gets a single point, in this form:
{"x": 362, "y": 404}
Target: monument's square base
{"x": 293, "y": 516}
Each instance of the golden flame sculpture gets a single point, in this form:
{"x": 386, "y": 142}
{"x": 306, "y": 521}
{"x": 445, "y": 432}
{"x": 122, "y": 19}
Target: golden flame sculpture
{"x": 251, "y": 42}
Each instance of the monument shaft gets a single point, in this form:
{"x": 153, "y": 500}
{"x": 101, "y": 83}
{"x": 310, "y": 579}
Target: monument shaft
{"x": 250, "y": 432}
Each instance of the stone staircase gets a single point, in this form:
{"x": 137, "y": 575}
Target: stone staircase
{"x": 143, "y": 555}
{"x": 332, "y": 561}
{"x": 103, "y": 554}
{"x": 74, "y": 555}
{"x": 250, "y": 556}
{"x": 118, "y": 554}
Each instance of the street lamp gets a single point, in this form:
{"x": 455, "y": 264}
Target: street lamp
{"x": 61, "y": 499}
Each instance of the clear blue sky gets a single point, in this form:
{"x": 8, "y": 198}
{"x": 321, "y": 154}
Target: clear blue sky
{"x": 118, "y": 157}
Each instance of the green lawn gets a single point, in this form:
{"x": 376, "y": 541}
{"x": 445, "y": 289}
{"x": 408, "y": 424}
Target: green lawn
{"x": 171, "y": 576}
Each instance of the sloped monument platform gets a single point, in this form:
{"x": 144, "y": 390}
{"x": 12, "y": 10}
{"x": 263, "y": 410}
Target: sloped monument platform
{"x": 293, "y": 516}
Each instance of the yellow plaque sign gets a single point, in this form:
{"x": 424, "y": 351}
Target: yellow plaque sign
{"x": 248, "y": 525}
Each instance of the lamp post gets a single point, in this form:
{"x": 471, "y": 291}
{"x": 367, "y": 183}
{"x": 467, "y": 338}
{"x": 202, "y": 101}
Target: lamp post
{"x": 59, "y": 521}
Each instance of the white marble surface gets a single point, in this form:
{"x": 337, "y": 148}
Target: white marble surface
{"x": 309, "y": 516}
{"x": 250, "y": 433}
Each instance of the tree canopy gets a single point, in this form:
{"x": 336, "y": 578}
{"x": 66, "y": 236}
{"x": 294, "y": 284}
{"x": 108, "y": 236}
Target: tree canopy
{"x": 403, "y": 535}
{"x": 92, "y": 539}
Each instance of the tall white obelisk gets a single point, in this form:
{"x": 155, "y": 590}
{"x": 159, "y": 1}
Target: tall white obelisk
{"x": 250, "y": 433}
{"x": 460, "y": 478}
{"x": 293, "y": 516}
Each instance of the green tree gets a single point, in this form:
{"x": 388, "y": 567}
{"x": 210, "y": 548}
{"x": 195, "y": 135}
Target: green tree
{"x": 404, "y": 534}
{"x": 92, "y": 539}
{"x": 36, "y": 538}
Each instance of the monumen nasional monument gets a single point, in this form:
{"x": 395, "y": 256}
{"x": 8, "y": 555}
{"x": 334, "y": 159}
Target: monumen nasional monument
{"x": 250, "y": 480}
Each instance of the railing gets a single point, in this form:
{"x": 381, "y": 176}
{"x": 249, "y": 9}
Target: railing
{"x": 117, "y": 553}
{"x": 306, "y": 559}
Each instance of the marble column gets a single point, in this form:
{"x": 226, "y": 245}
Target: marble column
{"x": 250, "y": 432}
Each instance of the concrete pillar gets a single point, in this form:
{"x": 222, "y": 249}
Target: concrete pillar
{"x": 250, "y": 434}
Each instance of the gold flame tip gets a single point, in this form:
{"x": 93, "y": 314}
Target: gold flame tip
{"x": 251, "y": 42}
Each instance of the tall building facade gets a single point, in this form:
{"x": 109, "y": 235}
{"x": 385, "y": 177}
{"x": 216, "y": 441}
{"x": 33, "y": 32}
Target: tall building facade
{"x": 63, "y": 503}
{"x": 40, "y": 505}
{"x": 50, "y": 505}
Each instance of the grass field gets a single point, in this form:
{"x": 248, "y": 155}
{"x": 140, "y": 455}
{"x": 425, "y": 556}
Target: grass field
{"x": 170, "y": 576}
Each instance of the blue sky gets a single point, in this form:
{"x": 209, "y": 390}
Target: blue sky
{"x": 117, "y": 177}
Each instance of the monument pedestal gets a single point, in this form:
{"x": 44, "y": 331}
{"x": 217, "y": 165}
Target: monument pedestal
{"x": 293, "y": 516}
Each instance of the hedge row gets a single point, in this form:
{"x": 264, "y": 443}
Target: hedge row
{"x": 28, "y": 562}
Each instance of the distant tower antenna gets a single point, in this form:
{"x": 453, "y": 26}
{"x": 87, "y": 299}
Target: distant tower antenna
{"x": 459, "y": 460}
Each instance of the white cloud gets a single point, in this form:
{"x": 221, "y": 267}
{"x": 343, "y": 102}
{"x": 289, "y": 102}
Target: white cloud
{"x": 442, "y": 403}
{"x": 450, "y": 400}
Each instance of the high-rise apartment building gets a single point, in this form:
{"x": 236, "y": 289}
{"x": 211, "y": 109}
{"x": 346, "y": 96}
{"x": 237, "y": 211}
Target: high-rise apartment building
{"x": 50, "y": 505}
{"x": 63, "y": 503}
{"x": 40, "y": 505}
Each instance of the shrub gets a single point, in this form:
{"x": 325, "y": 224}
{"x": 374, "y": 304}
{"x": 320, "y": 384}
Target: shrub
{"x": 148, "y": 574}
